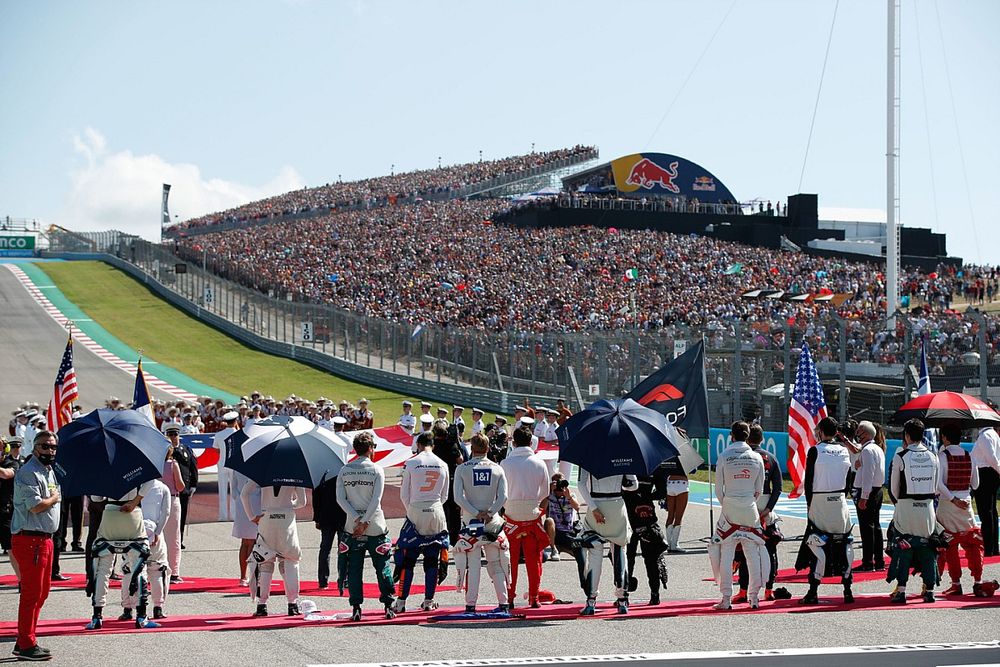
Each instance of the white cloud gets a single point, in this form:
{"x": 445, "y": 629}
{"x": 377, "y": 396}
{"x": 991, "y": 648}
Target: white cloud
{"x": 122, "y": 190}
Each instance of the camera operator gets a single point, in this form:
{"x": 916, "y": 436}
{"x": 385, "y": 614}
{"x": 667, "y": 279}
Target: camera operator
{"x": 497, "y": 434}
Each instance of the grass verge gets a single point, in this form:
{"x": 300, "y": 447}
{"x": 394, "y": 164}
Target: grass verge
{"x": 130, "y": 311}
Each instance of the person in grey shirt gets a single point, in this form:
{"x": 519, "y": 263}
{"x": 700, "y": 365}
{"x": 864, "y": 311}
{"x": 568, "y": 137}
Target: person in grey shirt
{"x": 35, "y": 520}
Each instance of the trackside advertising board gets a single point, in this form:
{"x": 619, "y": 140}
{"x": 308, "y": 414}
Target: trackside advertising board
{"x": 22, "y": 245}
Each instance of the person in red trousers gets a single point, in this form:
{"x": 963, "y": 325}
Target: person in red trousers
{"x": 35, "y": 521}
{"x": 527, "y": 494}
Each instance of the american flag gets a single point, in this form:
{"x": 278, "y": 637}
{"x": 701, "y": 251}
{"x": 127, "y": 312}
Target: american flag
{"x": 63, "y": 393}
{"x": 807, "y": 408}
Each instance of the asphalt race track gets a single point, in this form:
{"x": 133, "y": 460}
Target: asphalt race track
{"x": 31, "y": 347}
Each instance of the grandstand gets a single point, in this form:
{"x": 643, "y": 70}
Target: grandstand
{"x": 477, "y": 289}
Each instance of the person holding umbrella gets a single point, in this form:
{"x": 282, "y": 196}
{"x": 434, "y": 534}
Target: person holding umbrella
{"x": 35, "y": 519}
{"x": 958, "y": 477}
{"x": 612, "y": 442}
{"x": 986, "y": 459}
{"x": 359, "y": 491}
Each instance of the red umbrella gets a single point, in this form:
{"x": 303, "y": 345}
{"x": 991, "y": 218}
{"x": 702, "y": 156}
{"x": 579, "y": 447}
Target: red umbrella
{"x": 947, "y": 407}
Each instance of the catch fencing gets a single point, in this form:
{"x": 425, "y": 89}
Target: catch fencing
{"x": 868, "y": 368}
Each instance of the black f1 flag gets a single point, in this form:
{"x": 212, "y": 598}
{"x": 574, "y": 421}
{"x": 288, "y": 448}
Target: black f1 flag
{"x": 678, "y": 391}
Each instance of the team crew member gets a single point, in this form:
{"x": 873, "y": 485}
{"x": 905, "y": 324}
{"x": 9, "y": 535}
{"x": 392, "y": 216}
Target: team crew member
{"x": 359, "y": 491}
{"x": 423, "y": 491}
{"x": 676, "y": 501}
{"x": 448, "y": 448}
{"x": 527, "y": 490}
{"x": 956, "y": 478}
{"x": 641, "y": 507}
{"x": 913, "y": 482}
{"x": 155, "y": 507}
{"x": 35, "y": 519}
{"x": 986, "y": 458}
{"x": 606, "y": 521}
{"x": 407, "y": 420}
{"x": 174, "y": 481}
{"x": 739, "y": 482}
{"x": 481, "y": 491}
{"x": 277, "y": 537}
{"x": 329, "y": 518}
{"x": 229, "y": 419}
{"x": 869, "y": 479}
{"x": 827, "y": 544}
{"x": 188, "y": 463}
{"x": 768, "y": 519}
{"x": 121, "y": 533}
{"x": 244, "y": 529}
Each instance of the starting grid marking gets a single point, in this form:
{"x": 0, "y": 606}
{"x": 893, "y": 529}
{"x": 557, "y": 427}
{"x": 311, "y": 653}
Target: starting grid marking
{"x": 690, "y": 655}
{"x": 786, "y": 507}
{"x": 89, "y": 343}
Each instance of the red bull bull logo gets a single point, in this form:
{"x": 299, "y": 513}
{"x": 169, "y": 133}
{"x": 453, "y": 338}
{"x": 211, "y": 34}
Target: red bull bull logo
{"x": 647, "y": 174}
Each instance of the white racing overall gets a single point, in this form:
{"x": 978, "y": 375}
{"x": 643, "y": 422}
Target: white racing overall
{"x": 739, "y": 482}
{"x": 605, "y": 494}
{"x": 481, "y": 486}
{"x": 277, "y": 540}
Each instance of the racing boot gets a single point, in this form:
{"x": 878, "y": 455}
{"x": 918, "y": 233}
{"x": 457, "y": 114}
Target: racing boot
{"x": 928, "y": 597}
{"x": 898, "y": 597}
{"x": 97, "y": 621}
{"x": 954, "y": 589}
{"x": 621, "y": 604}
{"x": 848, "y": 595}
{"x": 724, "y": 604}
{"x": 740, "y": 597}
{"x": 261, "y": 610}
{"x": 590, "y": 608}
{"x": 356, "y": 614}
{"x": 158, "y": 613}
{"x": 428, "y": 605}
{"x": 126, "y": 614}
{"x": 399, "y": 605}
{"x": 293, "y": 609}
{"x": 812, "y": 597}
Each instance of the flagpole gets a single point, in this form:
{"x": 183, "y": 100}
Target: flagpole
{"x": 708, "y": 453}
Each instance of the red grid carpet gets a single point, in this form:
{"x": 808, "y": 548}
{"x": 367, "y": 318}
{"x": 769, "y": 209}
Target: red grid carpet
{"x": 560, "y": 612}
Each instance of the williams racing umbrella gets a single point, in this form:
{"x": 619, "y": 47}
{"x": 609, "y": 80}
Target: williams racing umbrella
{"x": 947, "y": 407}
{"x": 617, "y": 438}
{"x": 285, "y": 451}
{"x": 108, "y": 453}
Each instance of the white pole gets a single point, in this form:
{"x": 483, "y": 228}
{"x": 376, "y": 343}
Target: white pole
{"x": 891, "y": 158}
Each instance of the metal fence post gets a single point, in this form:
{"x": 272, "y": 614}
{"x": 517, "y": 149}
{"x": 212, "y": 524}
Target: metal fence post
{"x": 842, "y": 368}
{"x": 602, "y": 365}
{"x": 981, "y": 337}
{"x": 737, "y": 372}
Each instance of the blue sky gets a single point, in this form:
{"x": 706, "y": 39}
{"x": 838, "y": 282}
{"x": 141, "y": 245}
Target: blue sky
{"x": 231, "y": 101}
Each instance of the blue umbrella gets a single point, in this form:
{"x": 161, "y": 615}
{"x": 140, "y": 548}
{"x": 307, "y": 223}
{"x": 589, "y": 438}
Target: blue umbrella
{"x": 285, "y": 451}
{"x": 108, "y": 453}
{"x": 617, "y": 438}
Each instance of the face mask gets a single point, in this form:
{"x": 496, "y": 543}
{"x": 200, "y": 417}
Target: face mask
{"x": 46, "y": 459}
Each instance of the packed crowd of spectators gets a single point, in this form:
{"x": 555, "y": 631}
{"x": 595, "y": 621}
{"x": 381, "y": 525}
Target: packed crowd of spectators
{"x": 450, "y": 264}
{"x": 373, "y": 192}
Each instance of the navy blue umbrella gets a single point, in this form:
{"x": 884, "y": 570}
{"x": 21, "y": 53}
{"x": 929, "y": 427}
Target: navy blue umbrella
{"x": 617, "y": 438}
{"x": 285, "y": 451}
{"x": 108, "y": 453}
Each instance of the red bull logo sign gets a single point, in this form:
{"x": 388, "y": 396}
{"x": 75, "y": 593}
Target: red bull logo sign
{"x": 651, "y": 174}
{"x": 647, "y": 174}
